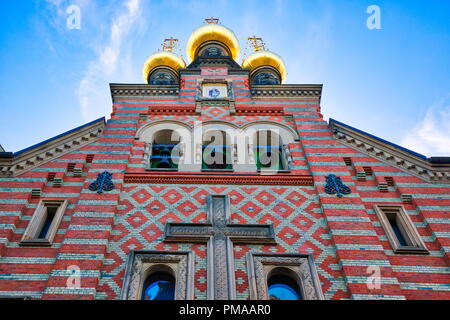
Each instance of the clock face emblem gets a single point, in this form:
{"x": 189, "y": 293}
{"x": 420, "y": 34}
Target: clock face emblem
{"x": 214, "y": 93}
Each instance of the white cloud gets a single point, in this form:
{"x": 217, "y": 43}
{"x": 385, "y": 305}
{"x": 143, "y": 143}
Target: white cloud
{"x": 431, "y": 136}
{"x": 111, "y": 59}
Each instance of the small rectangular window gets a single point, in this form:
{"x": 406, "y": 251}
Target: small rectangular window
{"x": 47, "y": 221}
{"x": 400, "y": 230}
{"x": 44, "y": 223}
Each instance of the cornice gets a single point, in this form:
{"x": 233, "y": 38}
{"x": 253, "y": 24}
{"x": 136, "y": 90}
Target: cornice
{"x": 286, "y": 91}
{"x": 133, "y": 90}
{"x": 48, "y": 150}
{"x": 434, "y": 170}
{"x": 218, "y": 179}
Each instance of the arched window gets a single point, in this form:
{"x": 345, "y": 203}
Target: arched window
{"x": 165, "y": 154}
{"x": 269, "y": 151}
{"x": 217, "y": 151}
{"x": 163, "y": 76}
{"x": 282, "y": 284}
{"x": 213, "y": 49}
{"x": 159, "y": 286}
{"x": 265, "y": 76}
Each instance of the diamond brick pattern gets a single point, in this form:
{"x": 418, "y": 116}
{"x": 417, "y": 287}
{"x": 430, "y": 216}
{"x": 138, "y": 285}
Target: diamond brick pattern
{"x": 343, "y": 234}
{"x": 252, "y": 205}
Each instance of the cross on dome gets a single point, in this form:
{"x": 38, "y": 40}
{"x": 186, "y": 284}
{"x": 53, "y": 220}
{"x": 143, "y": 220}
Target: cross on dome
{"x": 212, "y": 20}
{"x": 257, "y": 43}
{"x": 169, "y": 44}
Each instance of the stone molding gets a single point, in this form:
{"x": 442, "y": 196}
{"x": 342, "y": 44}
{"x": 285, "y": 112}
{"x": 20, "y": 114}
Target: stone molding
{"x": 219, "y": 234}
{"x": 51, "y": 149}
{"x": 286, "y": 91}
{"x": 388, "y": 153}
{"x": 259, "y": 265}
{"x": 140, "y": 262}
{"x": 133, "y": 90}
{"x": 219, "y": 178}
{"x": 417, "y": 244}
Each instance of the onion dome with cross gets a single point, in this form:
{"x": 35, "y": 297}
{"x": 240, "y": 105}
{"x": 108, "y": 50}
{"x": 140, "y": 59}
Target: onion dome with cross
{"x": 161, "y": 68}
{"x": 212, "y": 39}
{"x": 266, "y": 67}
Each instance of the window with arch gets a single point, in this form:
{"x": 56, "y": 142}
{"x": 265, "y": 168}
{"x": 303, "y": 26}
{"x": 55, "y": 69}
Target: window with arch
{"x": 266, "y": 76}
{"x": 217, "y": 151}
{"x": 283, "y": 284}
{"x": 212, "y": 49}
{"x": 280, "y": 276}
{"x": 165, "y": 153}
{"x": 158, "y": 275}
{"x": 269, "y": 151}
{"x": 163, "y": 76}
{"x": 159, "y": 285}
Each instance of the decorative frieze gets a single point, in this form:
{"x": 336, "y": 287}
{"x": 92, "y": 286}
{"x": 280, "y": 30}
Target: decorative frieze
{"x": 218, "y": 179}
{"x": 118, "y": 90}
{"x": 286, "y": 91}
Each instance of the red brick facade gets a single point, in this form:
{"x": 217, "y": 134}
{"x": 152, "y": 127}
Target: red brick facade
{"x": 343, "y": 234}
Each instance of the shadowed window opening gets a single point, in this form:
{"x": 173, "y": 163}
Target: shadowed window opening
{"x": 216, "y": 151}
{"x": 269, "y": 151}
{"x": 48, "y": 220}
{"x": 159, "y": 286}
{"x": 398, "y": 230}
{"x": 283, "y": 287}
{"x": 165, "y": 154}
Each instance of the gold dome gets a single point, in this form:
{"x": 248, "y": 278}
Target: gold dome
{"x": 163, "y": 58}
{"x": 265, "y": 58}
{"x": 212, "y": 32}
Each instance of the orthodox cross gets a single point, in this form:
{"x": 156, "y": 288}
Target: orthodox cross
{"x": 257, "y": 43}
{"x": 334, "y": 185}
{"x": 169, "y": 44}
{"x": 103, "y": 183}
{"x": 212, "y": 20}
{"x": 220, "y": 234}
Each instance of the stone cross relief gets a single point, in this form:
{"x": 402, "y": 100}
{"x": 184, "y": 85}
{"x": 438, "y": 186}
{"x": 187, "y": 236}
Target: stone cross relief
{"x": 220, "y": 234}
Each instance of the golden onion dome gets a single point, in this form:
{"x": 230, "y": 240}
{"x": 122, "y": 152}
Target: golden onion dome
{"x": 163, "y": 58}
{"x": 265, "y": 58}
{"x": 212, "y": 32}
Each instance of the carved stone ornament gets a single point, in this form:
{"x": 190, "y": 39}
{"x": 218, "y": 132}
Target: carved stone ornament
{"x": 103, "y": 183}
{"x": 219, "y": 234}
{"x": 260, "y": 265}
{"x": 142, "y": 263}
{"x": 334, "y": 185}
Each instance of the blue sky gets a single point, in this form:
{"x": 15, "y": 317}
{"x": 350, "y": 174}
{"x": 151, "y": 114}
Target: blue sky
{"x": 393, "y": 82}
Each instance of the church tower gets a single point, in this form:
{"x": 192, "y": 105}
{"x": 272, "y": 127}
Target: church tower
{"x": 214, "y": 179}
